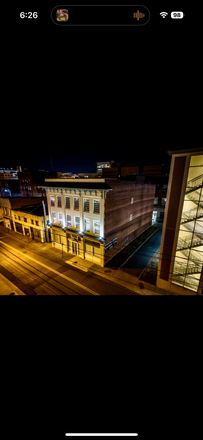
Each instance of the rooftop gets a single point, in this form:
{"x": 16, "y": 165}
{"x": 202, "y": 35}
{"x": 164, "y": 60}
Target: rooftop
{"x": 33, "y": 209}
{"x": 79, "y": 183}
{"x": 187, "y": 151}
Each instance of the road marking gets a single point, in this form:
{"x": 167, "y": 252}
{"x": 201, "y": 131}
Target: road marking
{"x": 102, "y": 435}
{"x": 53, "y": 270}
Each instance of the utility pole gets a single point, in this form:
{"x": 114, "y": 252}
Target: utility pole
{"x": 45, "y": 221}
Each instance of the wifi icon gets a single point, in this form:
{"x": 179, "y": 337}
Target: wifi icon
{"x": 163, "y": 14}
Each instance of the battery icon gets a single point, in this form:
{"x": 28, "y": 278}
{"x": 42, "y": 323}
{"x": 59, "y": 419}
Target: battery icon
{"x": 177, "y": 14}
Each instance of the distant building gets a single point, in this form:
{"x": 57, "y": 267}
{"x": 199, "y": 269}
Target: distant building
{"x": 9, "y": 185}
{"x": 67, "y": 175}
{"x": 181, "y": 255}
{"x": 161, "y": 183}
{"x": 30, "y": 181}
{"x": 8, "y": 174}
{"x": 101, "y": 165}
{"x": 88, "y": 175}
{"x": 123, "y": 169}
{"x": 95, "y": 218}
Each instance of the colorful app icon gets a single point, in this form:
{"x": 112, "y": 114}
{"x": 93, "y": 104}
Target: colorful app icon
{"x": 62, "y": 15}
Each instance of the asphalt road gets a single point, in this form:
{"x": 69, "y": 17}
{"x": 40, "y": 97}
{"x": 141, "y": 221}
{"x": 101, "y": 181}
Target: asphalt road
{"x": 143, "y": 255}
{"x": 31, "y": 271}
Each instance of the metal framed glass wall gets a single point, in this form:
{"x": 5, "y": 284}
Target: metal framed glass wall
{"x": 189, "y": 251}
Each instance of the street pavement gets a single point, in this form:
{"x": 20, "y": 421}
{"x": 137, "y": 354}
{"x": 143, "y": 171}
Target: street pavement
{"x": 31, "y": 269}
{"x": 54, "y": 274}
{"x": 140, "y": 259}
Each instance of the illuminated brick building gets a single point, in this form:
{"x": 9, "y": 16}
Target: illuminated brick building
{"x": 95, "y": 218}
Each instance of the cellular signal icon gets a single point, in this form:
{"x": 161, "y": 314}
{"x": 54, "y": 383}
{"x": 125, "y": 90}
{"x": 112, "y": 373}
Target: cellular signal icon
{"x": 163, "y": 14}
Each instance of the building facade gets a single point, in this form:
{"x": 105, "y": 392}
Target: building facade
{"x": 88, "y": 221}
{"x": 30, "y": 221}
{"x": 181, "y": 254}
{"x": 128, "y": 212}
{"x": 24, "y": 216}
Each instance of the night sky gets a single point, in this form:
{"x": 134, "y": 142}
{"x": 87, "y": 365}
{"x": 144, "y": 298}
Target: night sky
{"x": 83, "y": 95}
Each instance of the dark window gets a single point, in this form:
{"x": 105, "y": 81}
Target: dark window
{"x": 59, "y": 201}
{"x": 76, "y": 203}
{"x": 86, "y": 205}
{"x": 67, "y": 202}
{"x": 96, "y": 207}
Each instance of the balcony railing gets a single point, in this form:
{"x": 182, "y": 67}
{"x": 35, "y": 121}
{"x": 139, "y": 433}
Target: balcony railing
{"x": 183, "y": 269}
{"x": 187, "y": 243}
{"x": 194, "y": 197}
{"x": 192, "y": 214}
{"x": 195, "y": 183}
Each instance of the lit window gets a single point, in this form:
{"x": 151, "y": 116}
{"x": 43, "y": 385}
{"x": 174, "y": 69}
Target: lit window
{"x": 60, "y": 218}
{"x": 52, "y": 200}
{"x": 76, "y": 203}
{"x": 156, "y": 201}
{"x": 131, "y": 200}
{"x": 96, "y": 208}
{"x": 53, "y": 215}
{"x": 86, "y": 224}
{"x": 68, "y": 221}
{"x": 96, "y": 227}
{"x": 77, "y": 222}
{"x": 86, "y": 205}
{"x": 59, "y": 202}
{"x": 67, "y": 202}
{"x": 163, "y": 201}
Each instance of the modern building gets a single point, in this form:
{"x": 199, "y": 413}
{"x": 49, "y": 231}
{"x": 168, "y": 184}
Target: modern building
{"x": 180, "y": 267}
{"x": 94, "y": 218}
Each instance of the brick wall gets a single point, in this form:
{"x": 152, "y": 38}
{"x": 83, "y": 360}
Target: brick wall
{"x": 120, "y": 209}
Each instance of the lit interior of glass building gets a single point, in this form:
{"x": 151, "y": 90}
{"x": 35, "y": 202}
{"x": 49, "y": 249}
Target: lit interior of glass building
{"x": 189, "y": 251}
